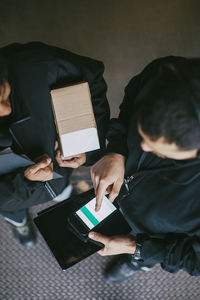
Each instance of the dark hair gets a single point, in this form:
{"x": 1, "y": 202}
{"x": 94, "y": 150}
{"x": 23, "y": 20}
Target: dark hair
{"x": 3, "y": 70}
{"x": 171, "y": 106}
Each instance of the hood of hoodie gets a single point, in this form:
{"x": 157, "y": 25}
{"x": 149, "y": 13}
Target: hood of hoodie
{"x": 183, "y": 74}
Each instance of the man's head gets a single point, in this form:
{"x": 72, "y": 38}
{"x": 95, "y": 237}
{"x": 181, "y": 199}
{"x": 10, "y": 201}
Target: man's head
{"x": 5, "y": 107}
{"x": 169, "y": 111}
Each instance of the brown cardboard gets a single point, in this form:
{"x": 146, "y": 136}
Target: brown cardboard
{"x": 73, "y": 111}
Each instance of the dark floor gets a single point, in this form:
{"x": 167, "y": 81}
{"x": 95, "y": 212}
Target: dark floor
{"x": 35, "y": 275}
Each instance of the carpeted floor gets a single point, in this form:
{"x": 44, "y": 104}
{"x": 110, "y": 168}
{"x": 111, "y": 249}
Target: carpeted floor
{"x": 35, "y": 275}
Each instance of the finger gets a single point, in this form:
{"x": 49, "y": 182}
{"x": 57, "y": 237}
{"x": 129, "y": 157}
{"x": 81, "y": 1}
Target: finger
{"x": 101, "y": 252}
{"x": 80, "y": 156}
{"x": 58, "y": 155}
{"x": 82, "y": 159}
{"x": 51, "y": 166}
{"x": 115, "y": 190}
{"x": 69, "y": 157}
{"x": 101, "y": 189}
{"x": 77, "y": 160}
{"x": 56, "y": 145}
{"x": 40, "y": 165}
{"x": 109, "y": 189}
{"x": 95, "y": 179}
{"x": 70, "y": 164}
{"x": 98, "y": 237}
{"x": 58, "y": 158}
{"x": 45, "y": 174}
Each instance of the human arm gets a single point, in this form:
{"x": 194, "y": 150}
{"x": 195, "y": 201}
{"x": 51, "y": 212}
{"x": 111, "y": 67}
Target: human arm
{"x": 114, "y": 245}
{"x": 18, "y": 188}
{"x": 17, "y": 191}
{"x": 107, "y": 177}
{"x": 108, "y": 173}
{"x": 174, "y": 252}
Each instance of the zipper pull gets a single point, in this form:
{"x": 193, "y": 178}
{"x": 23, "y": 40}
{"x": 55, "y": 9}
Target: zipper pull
{"x": 126, "y": 184}
{"x": 129, "y": 178}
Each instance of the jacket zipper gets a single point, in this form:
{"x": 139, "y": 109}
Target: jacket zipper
{"x": 127, "y": 180}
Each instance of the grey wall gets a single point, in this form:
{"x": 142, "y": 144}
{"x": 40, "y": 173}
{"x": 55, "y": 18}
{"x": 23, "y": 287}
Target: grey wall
{"x": 124, "y": 34}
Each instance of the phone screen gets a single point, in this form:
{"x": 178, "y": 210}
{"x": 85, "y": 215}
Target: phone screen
{"x": 90, "y": 217}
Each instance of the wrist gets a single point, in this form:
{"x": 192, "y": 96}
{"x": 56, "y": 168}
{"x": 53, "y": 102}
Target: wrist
{"x": 131, "y": 245}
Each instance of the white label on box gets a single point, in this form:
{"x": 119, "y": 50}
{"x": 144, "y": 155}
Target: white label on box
{"x": 80, "y": 141}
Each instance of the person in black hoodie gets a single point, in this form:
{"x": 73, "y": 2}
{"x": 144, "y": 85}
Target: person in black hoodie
{"x": 27, "y": 74}
{"x": 154, "y": 144}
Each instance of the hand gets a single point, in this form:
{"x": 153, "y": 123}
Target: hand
{"x": 107, "y": 177}
{"x": 73, "y": 161}
{"x": 115, "y": 244}
{"x": 41, "y": 171}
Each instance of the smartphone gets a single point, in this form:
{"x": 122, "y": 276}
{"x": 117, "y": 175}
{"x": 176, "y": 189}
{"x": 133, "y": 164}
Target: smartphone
{"x": 86, "y": 218}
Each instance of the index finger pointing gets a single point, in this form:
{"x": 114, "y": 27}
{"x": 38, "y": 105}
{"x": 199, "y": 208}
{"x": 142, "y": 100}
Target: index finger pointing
{"x": 100, "y": 192}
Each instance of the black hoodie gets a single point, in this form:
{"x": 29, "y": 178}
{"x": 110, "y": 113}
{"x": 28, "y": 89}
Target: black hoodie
{"x": 163, "y": 207}
{"x": 33, "y": 70}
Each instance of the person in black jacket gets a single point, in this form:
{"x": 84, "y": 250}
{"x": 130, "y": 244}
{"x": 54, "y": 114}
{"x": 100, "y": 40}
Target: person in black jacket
{"x": 154, "y": 144}
{"x": 27, "y": 74}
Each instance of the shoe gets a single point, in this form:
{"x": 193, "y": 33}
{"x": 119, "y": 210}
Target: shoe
{"x": 25, "y": 234}
{"x": 122, "y": 268}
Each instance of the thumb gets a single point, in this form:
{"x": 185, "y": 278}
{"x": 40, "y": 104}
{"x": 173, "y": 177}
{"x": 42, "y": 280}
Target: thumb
{"x": 41, "y": 165}
{"x": 56, "y": 145}
{"x": 98, "y": 237}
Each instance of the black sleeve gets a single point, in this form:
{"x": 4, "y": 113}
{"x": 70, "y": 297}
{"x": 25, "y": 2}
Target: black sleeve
{"x": 17, "y": 192}
{"x": 118, "y": 129}
{"x": 174, "y": 252}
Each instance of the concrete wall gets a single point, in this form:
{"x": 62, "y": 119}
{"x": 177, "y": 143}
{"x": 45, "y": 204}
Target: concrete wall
{"x": 124, "y": 34}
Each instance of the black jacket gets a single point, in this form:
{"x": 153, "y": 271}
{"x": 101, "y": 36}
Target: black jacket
{"x": 34, "y": 69}
{"x": 163, "y": 207}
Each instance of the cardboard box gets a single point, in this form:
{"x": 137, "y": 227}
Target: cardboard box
{"x": 74, "y": 119}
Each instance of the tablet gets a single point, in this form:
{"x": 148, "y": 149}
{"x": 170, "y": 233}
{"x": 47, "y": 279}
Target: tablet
{"x": 66, "y": 247}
